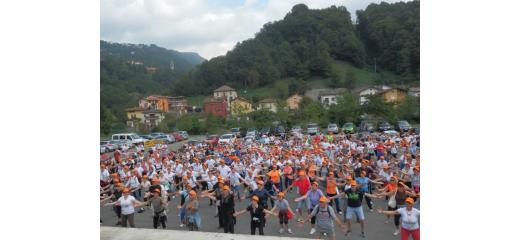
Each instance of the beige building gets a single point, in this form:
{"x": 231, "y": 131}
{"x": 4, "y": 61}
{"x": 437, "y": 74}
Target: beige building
{"x": 293, "y": 102}
{"x": 134, "y": 116}
{"x": 240, "y": 106}
{"x": 268, "y": 104}
{"x": 394, "y": 95}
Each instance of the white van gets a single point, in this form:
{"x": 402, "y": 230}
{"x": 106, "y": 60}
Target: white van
{"x": 128, "y": 137}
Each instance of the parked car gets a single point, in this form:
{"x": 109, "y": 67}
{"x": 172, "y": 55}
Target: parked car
{"x": 227, "y": 138}
{"x": 109, "y": 145}
{"x": 366, "y": 126}
{"x": 384, "y": 126}
{"x": 212, "y": 140}
{"x": 313, "y": 129}
{"x": 252, "y": 131}
{"x": 265, "y": 131}
{"x": 166, "y": 138}
{"x": 129, "y": 137}
{"x": 243, "y": 132}
{"x": 348, "y": 127}
{"x": 236, "y": 132}
{"x": 249, "y": 139}
{"x": 279, "y": 131}
{"x": 193, "y": 142}
{"x": 146, "y": 137}
{"x": 296, "y": 130}
{"x": 332, "y": 127}
{"x": 251, "y": 135}
{"x": 402, "y": 125}
{"x": 184, "y": 134}
{"x": 155, "y": 134}
{"x": 178, "y": 137}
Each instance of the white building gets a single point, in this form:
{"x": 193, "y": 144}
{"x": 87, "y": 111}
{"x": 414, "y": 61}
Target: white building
{"x": 227, "y": 93}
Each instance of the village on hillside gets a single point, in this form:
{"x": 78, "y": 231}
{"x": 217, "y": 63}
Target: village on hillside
{"x": 225, "y": 102}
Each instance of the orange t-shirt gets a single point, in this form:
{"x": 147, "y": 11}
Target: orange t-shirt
{"x": 275, "y": 176}
{"x": 331, "y": 185}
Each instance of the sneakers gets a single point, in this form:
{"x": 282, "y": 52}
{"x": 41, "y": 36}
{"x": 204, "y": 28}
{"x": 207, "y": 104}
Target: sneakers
{"x": 312, "y": 231}
{"x": 346, "y": 234}
{"x": 386, "y": 222}
{"x": 340, "y": 212}
{"x": 371, "y": 210}
{"x": 363, "y": 235}
{"x": 299, "y": 219}
{"x": 396, "y": 232}
{"x": 281, "y": 230}
{"x": 289, "y": 231}
{"x": 182, "y": 225}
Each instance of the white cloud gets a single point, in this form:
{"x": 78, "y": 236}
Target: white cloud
{"x": 209, "y": 28}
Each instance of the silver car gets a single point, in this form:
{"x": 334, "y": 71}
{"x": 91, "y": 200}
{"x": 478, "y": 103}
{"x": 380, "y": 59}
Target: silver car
{"x": 333, "y": 128}
{"x": 313, "y": 129}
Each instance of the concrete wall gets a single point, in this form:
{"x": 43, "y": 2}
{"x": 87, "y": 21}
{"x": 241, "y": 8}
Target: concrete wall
{"x": 119, "y": 233}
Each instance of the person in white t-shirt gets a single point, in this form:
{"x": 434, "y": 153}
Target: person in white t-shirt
{"x": 223, "y": 169}
{"x": 409, "y": 219}
{"x": 128, "y": 204}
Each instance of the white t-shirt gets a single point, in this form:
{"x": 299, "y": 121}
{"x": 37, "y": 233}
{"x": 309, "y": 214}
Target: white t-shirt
{"x": 127, "y": 205}
{"x": 224, "y": 170}
{"x": 409, "y": 219}
{"x": 104, "y": 175}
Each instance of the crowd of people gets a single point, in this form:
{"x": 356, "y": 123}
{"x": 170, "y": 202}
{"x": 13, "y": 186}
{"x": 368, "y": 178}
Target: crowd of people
{"x": 330, "y": 173}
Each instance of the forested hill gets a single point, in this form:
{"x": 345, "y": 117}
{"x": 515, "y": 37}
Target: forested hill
{"x": 390, "y": 33}
{"x": 151, "y": 55}
{"x": 125, "y": 79}
{"x": 306, "y": 42}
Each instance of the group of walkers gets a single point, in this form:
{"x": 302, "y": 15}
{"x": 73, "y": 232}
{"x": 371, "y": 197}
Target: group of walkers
{"x": 331, "y": 175}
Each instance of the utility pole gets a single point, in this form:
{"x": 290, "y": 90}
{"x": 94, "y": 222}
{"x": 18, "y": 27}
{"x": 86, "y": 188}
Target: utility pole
{"x": 375, "y": 65}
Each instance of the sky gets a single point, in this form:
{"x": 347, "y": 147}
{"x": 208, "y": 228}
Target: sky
{"x": 208, "y": 27}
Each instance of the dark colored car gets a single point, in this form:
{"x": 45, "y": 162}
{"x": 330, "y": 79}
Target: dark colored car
{"x": 384, "y": 126}
{"x": 243, "y": 132}
{"x": 366, "y": 126}
{"x": 212, "y": 140}
{"x": 265, "y": 131}
{"x": 279, "y": 131}
{"x": 402, "y": 126}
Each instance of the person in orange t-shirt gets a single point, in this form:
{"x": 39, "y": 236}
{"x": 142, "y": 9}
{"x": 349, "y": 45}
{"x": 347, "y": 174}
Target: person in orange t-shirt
{"x": 274, "y": 175}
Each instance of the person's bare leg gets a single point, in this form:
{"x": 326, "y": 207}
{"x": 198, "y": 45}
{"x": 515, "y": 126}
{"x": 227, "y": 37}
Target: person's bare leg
{"x": 362, "y": 223}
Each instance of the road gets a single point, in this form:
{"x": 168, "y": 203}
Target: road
{"x": 375, "y": 223}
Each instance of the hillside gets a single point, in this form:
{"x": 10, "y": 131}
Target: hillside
{"x": 151, "y": 55}
{"x": 123, "y": 84}
{"x": 307, "y": 43}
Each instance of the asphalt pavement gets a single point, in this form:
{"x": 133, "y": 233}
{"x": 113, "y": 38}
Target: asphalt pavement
{"x": 375, "y": 226}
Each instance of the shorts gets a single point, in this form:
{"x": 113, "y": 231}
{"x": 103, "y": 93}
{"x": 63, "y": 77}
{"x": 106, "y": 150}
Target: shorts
{"x": 283, "y": 216}
{"x": 357, "y": 210}
{"x": 329, "y": 231}
{"x": 307, "y": 203}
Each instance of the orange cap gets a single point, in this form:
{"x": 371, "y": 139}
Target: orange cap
{"x": 393, "y": 178}
{"x": 409, "y": 200}
{"x": 255, "y": 198}
{"x": 331, "y": 174}
{"x": 157, "y": 190}
{"x": 155, "y": 180}
{"x": 363, "y": 172}
{"x": 281, "y": 194}
{"x": 323, "y": 199}
{"x": 349, "y": 177}
{"x": 226, "y": 187}
{"x": 126, "y": 190}
{"x": 301, "y": 173}
{"x": 193, "y": 193}
{"x": 353, "y": 183}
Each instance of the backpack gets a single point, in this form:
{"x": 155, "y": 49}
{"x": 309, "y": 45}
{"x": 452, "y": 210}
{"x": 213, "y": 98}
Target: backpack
{"x": 328, "y": 210}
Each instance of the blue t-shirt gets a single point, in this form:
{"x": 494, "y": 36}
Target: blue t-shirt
{"x": 362, "y": 183}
